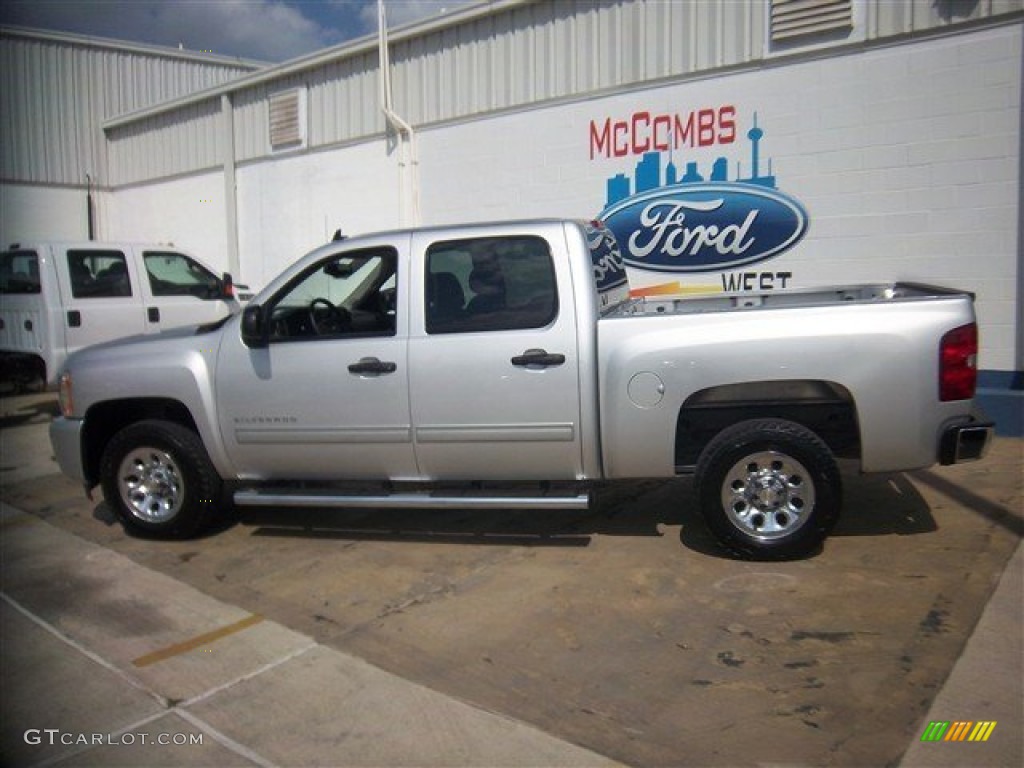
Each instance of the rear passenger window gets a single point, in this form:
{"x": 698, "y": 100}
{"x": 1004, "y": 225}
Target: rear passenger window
{"x": 98, "y": 274}
{"x": 490, "y": 284}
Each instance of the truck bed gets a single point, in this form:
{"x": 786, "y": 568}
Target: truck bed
{"x": 806, "y": 297}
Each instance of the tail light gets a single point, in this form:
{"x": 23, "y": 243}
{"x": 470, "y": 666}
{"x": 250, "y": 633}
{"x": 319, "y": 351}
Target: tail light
{"x": 958, "y": 363}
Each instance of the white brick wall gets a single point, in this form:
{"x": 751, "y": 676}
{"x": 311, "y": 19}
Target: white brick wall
{"x": 905, "y": 157}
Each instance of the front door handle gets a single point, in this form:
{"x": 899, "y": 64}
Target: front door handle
{"x": 538, "y": 358}
{"x": 372, "y": 366}
{"x": 153, "y": 313}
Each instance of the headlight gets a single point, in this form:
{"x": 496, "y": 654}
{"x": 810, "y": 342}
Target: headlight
{"x": 64, "y": 395}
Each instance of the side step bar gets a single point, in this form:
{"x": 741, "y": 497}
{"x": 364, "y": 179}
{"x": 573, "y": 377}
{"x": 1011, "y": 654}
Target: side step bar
{"x": 287, "y": 497}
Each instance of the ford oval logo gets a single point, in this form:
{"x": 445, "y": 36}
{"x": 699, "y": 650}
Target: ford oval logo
{"x": 705, "y": 227}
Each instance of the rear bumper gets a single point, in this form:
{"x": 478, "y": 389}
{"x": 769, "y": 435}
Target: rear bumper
{"x": 66, "y": 439}
{"x": 967, "y": 441}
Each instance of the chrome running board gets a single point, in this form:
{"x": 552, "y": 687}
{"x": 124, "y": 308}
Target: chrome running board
{"x": 331, "y": 499}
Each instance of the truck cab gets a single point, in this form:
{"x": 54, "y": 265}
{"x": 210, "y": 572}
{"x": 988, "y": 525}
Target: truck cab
{"x": 60, "y": 297}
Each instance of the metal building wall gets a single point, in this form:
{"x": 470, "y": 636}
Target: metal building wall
{"x": 57, "y": 89}
{"x": 343, "y": 100}
{"x": 510, "y": 54}
{"x": 169, "y": 144}
{"x": 554, "y": 50}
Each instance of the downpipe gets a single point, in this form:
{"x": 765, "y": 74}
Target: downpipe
{"x": 408, "y": 154}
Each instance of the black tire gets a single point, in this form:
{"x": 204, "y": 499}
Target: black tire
{"x": 158, "y": 479}
{"x": 769, "y": 489}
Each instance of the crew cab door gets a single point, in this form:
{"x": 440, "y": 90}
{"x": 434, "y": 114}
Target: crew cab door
{"x": 325, "y": 395}
{"x": 101, "y": 294}
{"x": 494, "y": 375}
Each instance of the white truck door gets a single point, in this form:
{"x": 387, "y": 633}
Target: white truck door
{"x": 179, "y": 291}
{"x": 494, "y": 373}
{"x": 327, "y": 397}
{"x": 102, "y": 295}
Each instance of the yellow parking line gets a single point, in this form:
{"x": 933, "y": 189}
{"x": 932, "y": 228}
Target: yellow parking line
{"x": 196, "y": 642}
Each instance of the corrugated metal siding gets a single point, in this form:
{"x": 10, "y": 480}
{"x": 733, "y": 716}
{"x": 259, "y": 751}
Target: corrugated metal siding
{"x": 177, "y": 142}
{"x": 886, "y": 18}
{"x": 56, "y": 93}
{"x": 344, "y": 100}
{"x": 252, "y": 116}
{"x": 541, "y": 51}
{"x": 513, "y": 55}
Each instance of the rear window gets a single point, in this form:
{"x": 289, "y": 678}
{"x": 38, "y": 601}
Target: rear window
{"x": 99, "y": 274}
{"x": 490, "y": 284}
{"x": 19, "y": 272}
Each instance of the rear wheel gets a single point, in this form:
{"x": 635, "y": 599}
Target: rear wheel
{"x": 158, "y": 479}
{"x": 769, "y": 489}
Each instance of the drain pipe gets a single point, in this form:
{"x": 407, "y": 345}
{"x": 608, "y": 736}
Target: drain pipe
{"x": 90, "y": 209}
{"x": 408, "y": 156}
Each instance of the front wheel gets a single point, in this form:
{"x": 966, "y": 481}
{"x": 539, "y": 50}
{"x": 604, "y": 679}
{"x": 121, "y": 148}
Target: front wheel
{"x": 158, "y": 479}
{"x": 769, "y": 489}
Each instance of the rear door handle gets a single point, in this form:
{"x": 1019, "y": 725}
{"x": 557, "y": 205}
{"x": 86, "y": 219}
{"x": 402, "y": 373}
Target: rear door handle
{"x": 372, "y": 366}
{"x": 538, "y": 358}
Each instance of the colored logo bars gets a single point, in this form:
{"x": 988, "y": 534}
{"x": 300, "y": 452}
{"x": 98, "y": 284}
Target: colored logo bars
{"x": 958, "y": 730}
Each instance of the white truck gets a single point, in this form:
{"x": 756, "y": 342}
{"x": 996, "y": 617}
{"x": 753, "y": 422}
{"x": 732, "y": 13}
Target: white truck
{"x": 58, "y": 297}
{"x": 506, "y": 366}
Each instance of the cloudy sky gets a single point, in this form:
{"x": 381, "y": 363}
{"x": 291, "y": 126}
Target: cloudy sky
{"x": 264, "y": 30}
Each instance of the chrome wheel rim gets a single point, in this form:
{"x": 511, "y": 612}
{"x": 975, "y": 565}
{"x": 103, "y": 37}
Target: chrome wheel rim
{"x": 151, "y": 485}
{"x": 768, "y": 495}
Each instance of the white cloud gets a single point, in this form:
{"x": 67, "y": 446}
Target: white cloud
{"x": 268, "y": 30}
{"x": 262, "y": 29}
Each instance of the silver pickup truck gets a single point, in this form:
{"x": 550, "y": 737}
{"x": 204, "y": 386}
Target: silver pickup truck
{"x": 506, "y": 366}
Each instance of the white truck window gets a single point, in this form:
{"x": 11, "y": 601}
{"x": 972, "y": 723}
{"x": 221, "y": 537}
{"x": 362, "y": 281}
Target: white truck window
{"x": 490, "y": 284}
{"x": 19, "y": 272}
{"x": 174, "y": 274}
{"x": 98, "y": 274}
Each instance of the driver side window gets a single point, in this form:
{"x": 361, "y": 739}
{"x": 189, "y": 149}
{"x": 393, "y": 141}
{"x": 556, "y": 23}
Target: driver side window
{"x": 351, "y": 294}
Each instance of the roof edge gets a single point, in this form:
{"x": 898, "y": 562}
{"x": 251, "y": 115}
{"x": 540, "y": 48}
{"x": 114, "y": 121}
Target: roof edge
{"x": 109, "y": 43}
{"x": 309, "y": 61}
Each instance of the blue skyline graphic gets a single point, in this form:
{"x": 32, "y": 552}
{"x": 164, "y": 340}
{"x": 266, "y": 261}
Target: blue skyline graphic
{"x": 648, "y": 172}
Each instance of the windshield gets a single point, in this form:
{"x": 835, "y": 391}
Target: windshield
{"x": 19, "y": 272}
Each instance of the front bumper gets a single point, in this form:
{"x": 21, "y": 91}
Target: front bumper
{"x": 967, "y": 441}
{"x": 66, "y": 439}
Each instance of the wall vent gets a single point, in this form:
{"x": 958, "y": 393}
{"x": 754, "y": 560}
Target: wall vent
{"x": 286, "y": 119}
{"x": 801, "y": 18}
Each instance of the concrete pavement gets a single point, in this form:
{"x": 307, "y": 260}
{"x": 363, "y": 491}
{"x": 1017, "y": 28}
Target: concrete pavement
{"x": 984, "y": 685}
{"x": 106, "y": 662}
